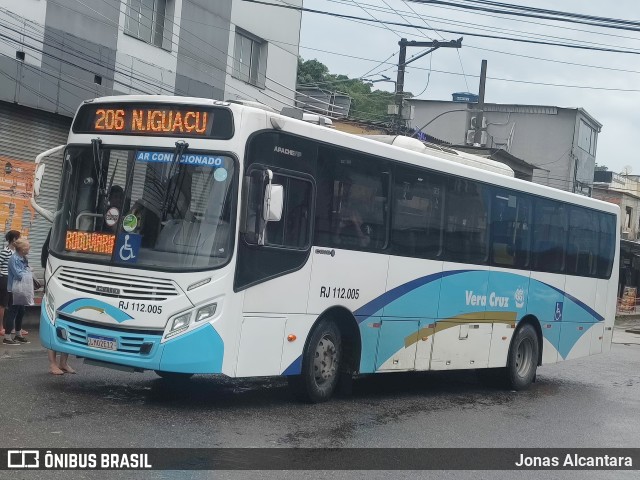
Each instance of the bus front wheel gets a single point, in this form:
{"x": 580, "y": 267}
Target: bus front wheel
{"x": 321, "y": 359}
{"x": 523, "y": 358}
{"x": 174, "y": 375}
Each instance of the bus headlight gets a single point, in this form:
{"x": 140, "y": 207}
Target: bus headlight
{"x": 205, "y": 312}
{"x": 50, "y": 304}
{"x": 179, "y": 324}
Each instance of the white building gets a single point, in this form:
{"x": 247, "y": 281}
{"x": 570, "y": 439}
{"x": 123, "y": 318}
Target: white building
{"x": 55, "y": 54}
{"x": 561, "y": 142}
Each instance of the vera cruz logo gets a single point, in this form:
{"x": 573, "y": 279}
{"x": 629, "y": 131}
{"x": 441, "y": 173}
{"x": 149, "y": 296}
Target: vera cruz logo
{"x": 519, "y": 297}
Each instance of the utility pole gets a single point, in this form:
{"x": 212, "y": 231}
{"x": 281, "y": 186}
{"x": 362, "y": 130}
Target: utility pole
{"x": 402, "y": 63}
{"x": 477, "y": 138}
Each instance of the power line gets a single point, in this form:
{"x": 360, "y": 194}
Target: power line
{"x": 599, "y": 67}
{"x": 457, "y": 51}
{"x": 489, "y": 78}
{"x": 530, "y": 12}
{"x": 456, "y": 32}
{"x": 494, "y": 29}
{"x": 531, "y": 22}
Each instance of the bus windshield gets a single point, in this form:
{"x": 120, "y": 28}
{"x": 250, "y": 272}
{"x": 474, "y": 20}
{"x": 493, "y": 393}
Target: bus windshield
{"x": 141, "y": 207}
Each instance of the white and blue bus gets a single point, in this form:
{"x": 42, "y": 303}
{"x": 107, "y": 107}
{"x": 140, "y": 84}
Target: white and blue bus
{"x": 194, "y": 236}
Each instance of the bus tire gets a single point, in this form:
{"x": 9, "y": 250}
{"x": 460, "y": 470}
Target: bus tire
{"x": 174, "y": 375}
{"x": 321, "y": 359}
{"x": 522, "y": 361}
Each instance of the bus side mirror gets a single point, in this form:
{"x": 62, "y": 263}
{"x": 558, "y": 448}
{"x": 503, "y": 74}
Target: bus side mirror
{"x": 273, "y": 201}
{"x": 37, "y": 181}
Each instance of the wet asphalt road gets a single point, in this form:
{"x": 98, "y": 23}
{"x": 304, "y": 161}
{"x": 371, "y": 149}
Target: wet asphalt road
{"x": 591, "y": 402}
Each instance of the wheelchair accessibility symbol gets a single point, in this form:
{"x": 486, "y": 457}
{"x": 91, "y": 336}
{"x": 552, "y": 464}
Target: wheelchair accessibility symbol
{"x": 128, "y": 247}
{"x": 558, "y": 313}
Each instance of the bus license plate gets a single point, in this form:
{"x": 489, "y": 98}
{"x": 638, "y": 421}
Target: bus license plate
{"x": 105, "y": 343}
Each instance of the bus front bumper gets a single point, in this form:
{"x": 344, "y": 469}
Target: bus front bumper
{"x": 198, "y": 351}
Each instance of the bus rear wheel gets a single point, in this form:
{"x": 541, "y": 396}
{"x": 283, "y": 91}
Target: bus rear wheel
{"x": 321, "y": 360}
{"x": 174, "y": 375}
{"x": 523, "y": 358}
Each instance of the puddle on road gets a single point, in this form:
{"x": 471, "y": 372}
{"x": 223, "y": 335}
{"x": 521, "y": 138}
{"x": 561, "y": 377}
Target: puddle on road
{"x": 377, "y": 400}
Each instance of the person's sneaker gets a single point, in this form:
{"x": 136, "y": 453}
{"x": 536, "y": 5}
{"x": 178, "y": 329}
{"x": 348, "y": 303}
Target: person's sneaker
{"x": 7, "y": 341}
{"x": 23, "y": 333}
{"x": 21, "y": 339}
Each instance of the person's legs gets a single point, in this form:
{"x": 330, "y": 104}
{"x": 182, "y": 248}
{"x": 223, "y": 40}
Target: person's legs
{"x": 64, "y": 366}
{"x": 8, "y": 321}
{"x": 1, "y": 320}
{"x": 18, "y": 324}
{"x": 53, "y": 367}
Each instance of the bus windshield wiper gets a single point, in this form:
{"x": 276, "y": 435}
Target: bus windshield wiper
{"x": 181, "y": 148}
{"x": 96, "y": 147}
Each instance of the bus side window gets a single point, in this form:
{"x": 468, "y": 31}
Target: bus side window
{"x": 510, "y": 229}
{"x": 292, "y": 231}
{"x": 352, "y": 201}
{"x": 582, "y": 245}
{"x": 607, "y": 244}
{"x": 549, "y": 236}
{"x": 417, "y": 213}
{"x": 466, "y": 221}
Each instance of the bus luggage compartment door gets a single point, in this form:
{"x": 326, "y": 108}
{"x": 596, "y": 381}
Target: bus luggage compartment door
{"x": 397, "y": 344}
{"x": 461, "y": 346}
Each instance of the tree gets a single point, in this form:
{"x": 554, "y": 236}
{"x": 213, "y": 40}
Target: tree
{"x": 366, "y": 104}
{"x": 311, "y": 71}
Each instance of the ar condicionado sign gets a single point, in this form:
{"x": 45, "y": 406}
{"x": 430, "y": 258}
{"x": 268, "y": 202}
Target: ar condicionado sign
{"x": 154, "y": 119}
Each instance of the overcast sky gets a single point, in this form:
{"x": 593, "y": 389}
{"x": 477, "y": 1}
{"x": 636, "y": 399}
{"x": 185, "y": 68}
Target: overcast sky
{"x": 617, "y": 111}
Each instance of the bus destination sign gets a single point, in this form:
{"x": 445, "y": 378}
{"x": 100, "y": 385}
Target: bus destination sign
{"x": 90, "y": 242}
{"x": 155, "y": 119}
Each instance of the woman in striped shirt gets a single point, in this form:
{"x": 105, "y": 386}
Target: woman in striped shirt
{"x": 5, "y": 255}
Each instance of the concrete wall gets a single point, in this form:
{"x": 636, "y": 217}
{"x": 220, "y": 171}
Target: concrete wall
{"x": 142, "y": 67}
{"x": 282, "y": 58}
{"x": 57, "y": 73}
{"x": 67, "y": 43}
{"x": 450, "y": 127}
{"x": 203, "y": 53}
{"x": 630, "y": 227}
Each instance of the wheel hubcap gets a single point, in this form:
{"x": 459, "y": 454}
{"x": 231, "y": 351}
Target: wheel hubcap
{"x": 524, "y": 355}
{"x": 325, "y": 360}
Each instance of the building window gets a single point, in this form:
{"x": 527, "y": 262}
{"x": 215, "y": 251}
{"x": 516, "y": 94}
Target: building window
{"x": 145, "y": 20}
{"x": 250, "y": 59}
{"x": 587, "y": 138}
{"x": 629, "y": 214}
